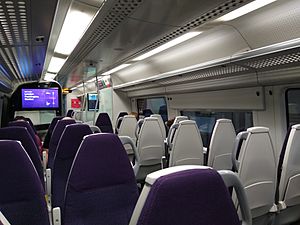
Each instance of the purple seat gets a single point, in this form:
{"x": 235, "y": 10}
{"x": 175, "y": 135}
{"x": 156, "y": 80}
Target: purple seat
{"x": 50, "y": 130}
{"x": 21, "y": 134}
{"x": 192, "y": 196}
{"x": 22, "y": 198}
{"x": 57, "y": 132}
{"x": 70, "y": 113}
{"x": 147, "y": 112}
{"x": 66, "y": 150}
{"x": 101, "y": 188}
{"x": 23, "y": 123}
{"x": 104, "y": 123}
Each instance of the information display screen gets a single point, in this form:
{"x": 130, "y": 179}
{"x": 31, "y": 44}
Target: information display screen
{"x": 42, "y": 98}
{"x": 92, "y": 100}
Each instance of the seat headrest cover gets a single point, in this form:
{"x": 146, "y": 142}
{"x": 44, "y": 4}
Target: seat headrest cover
{"x": 195, "y": 197}
{"x": 71, "y": 139}
{"x": 224, "y": 121}
{"x": 187, "y": 122}
{"x": 258, "y": 130}
{"x": 102, "y": 156}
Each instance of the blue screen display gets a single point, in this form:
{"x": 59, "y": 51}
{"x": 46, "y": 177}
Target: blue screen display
{"x": 40, "y": 98}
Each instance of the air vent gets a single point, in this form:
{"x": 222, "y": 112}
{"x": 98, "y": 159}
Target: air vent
{"x": 274, "y": 61}
{"x": 14, "y": 32}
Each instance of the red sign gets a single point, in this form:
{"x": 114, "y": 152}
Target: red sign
{"x": 75, "y": 103}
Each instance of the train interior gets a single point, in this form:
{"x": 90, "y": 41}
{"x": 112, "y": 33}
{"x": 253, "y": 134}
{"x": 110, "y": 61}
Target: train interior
{"x": 118, "y": 112}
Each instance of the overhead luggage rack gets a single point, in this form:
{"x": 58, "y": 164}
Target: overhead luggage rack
{"x": 277, "y": 56}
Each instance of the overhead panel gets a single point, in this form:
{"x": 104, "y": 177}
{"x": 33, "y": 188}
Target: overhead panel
{"x": 24, "y": 31}
{"x": 124, "y": 29}
{"x": 253, "y": 63}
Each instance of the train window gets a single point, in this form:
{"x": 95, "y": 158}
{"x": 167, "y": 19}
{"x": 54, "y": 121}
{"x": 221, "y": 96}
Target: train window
{"x": 157, "y": 105}
{"x": 292, "y": 106}
{"x": 206, "y": 120}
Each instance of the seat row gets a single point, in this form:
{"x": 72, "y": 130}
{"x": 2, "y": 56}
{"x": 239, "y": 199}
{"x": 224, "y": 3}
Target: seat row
{"x": 101, "y": 189}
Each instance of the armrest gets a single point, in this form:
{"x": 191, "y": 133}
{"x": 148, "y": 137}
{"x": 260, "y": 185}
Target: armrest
{"x": 128, "y": 140}
{"x": 231, "y": 180}
{"x": 48, "y": 185}
{"x": 56, "y": 216}
{"x": 44, "y": 155}
{"x": 242, "y": 136}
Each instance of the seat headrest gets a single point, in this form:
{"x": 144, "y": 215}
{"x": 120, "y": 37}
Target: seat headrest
{"x": 258, "y": 130}
{"x": 196, "y": 190}
{"x": 102, "y": 156}
{"x": 71, "y": 139}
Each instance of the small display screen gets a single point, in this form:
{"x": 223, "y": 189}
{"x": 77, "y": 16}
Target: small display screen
{"x": 92, "y": 100}
{"x": 46, "y": 98}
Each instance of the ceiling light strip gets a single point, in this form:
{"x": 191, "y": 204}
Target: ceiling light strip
{"x": 167, "y": 45}
{"x": 245, "y": 9}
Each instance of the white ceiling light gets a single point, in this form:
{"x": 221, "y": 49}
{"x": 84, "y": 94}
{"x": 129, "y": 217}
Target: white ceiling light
{"x": 245, "y": 9}
{"x": 74, "y": 26}
{"x": 55, "y": 64}
{"x": 169, "y": 44}
{"x": 116, "y": 69}
{"x": 49, "y": 76}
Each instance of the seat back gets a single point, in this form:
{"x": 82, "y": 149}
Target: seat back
{"x": 147, "y": 112}
{"x": 70, "y": 113}
{"x": 221, "y": 145}
{"x": 173, "y": 128}
{"x": 104, "y": 123}
{"x": 128, "y": 126}
{"x": 118, "y": 121}
{"x": 23, "y": 123}
{"x": 67, "y": 147}
{"x": 22, "y": 197}
{"x": 205, "y": 199}
{"x": 56, "y": 135}
{"x": 161, "y": 124}
{"x": 289, "y": 184}
{"x": 21, "y": 134}
{"x": 101, "y": 187}
{"x": 257, "y": 169}
{"x": 150, "y": 144}
{"x": 187, "y": 147}
{"x": 50, "y": 131}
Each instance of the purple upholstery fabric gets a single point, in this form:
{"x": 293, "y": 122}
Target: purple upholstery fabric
{"x": 22, "y": 123}
{"x": 57, "y": 132}
{"x": 65, "y": 153}
{"x": 21, "y": 134}
{"x": 101, "y": 188}
{"x": 69, "y": 113}
{"x": 22, "y": 199}
{"x": 50, "y": 130}
{"x": 147, "y": 112}
{"x": 104, "y": 123}
{"x": 193, "y": 197}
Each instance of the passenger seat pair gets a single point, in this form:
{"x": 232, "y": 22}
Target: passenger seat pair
{"x": 101, "y": 184}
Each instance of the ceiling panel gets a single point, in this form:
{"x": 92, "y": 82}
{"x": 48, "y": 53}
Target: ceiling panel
{"x": 124, "y": 29}
{"x": 24, "y": 32}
